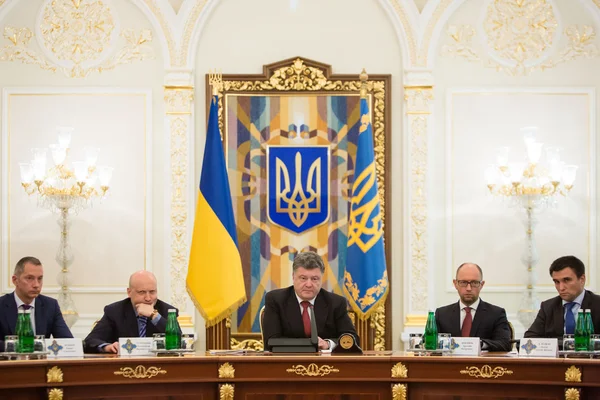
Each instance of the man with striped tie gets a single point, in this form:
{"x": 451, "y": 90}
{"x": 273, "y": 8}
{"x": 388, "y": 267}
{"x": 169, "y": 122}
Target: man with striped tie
{"x": 141, "y": 314}
{"x": 557, "y": 316}
{"x": 46, "y": 318}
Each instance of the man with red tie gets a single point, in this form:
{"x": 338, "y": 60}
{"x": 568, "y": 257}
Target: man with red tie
{"x": 46, "y": 318}
{"x": 471, "y": 316}
{"x": 287, "y": 310}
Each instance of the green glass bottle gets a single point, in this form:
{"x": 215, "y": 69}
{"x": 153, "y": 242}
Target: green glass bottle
{"x": 431, "y": 333}
{"x": 19, "y": 328}
{"x": 582, "y": 338}
{"x": 589, "y": 326}
{"x": 26, "y": 334}
{"x": 172, "y": 332}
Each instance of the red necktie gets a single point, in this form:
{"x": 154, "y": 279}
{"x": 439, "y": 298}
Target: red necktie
{"x": 466, "y": 328}
{"x": 306, "y": 317}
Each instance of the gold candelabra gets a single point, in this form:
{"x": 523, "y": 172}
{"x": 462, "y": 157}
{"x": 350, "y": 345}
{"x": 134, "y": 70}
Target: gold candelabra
{"x": 65, "y": 191}
{"x": 531, "y": 186}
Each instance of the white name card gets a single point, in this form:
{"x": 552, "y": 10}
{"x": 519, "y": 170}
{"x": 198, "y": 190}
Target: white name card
{"x": 538, "y": 347}
{"x": 465, "y": 346}
{"x": 64, "y": 347}
{"x": 135, "y": 346}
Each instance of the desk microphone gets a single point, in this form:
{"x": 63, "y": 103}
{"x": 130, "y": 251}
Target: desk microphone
{"x": 314, "y": 337}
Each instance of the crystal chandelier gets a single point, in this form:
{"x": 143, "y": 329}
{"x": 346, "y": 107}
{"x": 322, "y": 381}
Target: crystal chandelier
{"x": 65, "y": 191}
{"x": 531, "y": 186}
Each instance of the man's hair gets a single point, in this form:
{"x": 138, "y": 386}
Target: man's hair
{"x": 463, "y": 264}
{"x": 568, "y": 262}
{"x": 20, "y": 267}
{"x": 308, "y": 260}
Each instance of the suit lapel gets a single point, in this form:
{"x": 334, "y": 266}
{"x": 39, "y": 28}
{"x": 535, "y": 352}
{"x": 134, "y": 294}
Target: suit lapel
{"x": 292, "y": 309}
{"x": 321, "y": 311}
{"x": 455, "y": 320}
{"x": 559, "y": 317}
{"x": 11, "y": 313}
{"x": 587, "y": 301}
{"x": 40, "y": 326}
{"x": 131, "y": 326}
{"x": 479, "y": 316}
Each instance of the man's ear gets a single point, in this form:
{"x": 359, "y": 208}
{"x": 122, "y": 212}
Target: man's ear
{"x": 482, "y": 283}
{"x": 455, "y": 284}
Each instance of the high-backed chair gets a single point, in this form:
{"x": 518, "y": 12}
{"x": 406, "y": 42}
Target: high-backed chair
{"x": 260, "y": 322}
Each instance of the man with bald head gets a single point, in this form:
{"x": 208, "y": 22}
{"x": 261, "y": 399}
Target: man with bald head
{"x": 141, "y": 314}
{"x": 471, "y": 316}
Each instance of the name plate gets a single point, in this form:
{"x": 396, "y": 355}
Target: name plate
{"x": 135, "y": 346}
{"x": 465, "y": 346}
{"x": 64, "y": 347}
{"x": 538, "y": 347}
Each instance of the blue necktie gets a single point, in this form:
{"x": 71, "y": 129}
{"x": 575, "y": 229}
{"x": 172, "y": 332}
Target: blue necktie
{"x": 142, "y": 325}
{"x": 570, "y": 318}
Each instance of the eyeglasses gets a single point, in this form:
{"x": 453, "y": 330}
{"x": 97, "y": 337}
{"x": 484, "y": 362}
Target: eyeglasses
{"x": 474, "y": 284}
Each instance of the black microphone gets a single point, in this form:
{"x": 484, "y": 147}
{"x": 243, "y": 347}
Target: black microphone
{"x": 314, "y": 337}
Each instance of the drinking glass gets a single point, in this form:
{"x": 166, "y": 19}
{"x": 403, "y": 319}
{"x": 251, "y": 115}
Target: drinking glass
{"x": 39, "y": 343}
{"x": 11, "y": 343}
{"x": 569, "y": 342}
{"x": 415, "y": 341}
{"x": 444, "y": 341}
{"x": 595, "y": 342}
{"x": 158, "y": 341}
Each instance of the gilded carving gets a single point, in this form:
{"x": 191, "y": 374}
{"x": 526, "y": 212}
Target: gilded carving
{"x": 573, "y": 374}
{"x": 418, "y": 100}
{"x": 312, "y": 370}
{"x": 520, "y": 31}
{"x": 55, "y": 394}
{"x": 572, "y": 394}
{"x": 18, "y": 49}
{"x": 486, "y": 372}
{"x": 250, "y": 344}
{"x": 408, "y": 29}
{"x": 399, "y": 391}
{"x": 226, "y": 392}
{"x": 226, "y": 371}
{"x": 54, "y": 375}
{"x": 462, "y": 43}
{"x": 399, "y": 371}
{"x": 178, "y": 127}
{"x": 431, "y": 26}
{"x": 189, "y": 30}
{"x": 140, "y": 372}
{"x": 378, "y": 323}
{"x": 166, "y": 30}
{"x": 179, "y": 100}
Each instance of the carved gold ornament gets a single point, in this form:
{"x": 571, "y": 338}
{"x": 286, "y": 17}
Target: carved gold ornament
{"x": 312, "y": 370}
{"x": 54, "y": 375}
{"x": 573, "y": 374}
{"x": 226, "y": 371}
{"x": 572, "y": 394}
{"x": 140, "y": 372}
{"x": 399, "y": 371}
{"x": 486, "y": 372}
{"x": 251, "y": 344}
{"x": 399, "y": 391}
{"x": 226, "y": 392}
{"x": 55, "y": 394}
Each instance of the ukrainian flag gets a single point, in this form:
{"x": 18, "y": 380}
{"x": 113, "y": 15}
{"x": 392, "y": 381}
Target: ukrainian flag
{"x": 365, "y": 279}
{"x": 215, "y": 280}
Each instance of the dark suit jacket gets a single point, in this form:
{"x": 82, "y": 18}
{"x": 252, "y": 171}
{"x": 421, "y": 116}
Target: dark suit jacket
{"x": 48, "y": 318}
{"x": 490, "y": 324}
{"x": 283, "y": 317}
{"x": 119, "y": 320}
{"x": 550, "y": 321}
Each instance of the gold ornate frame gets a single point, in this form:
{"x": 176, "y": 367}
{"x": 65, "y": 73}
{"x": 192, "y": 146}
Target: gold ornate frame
{"x": 298, "y": 75}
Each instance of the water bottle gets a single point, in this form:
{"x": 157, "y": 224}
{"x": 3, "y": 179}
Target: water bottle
{"x": 26, "y": 333}
{"x": 431, "y": 332}
{"x": 172, "y": 332}
{"x": 582, "y": 338}
{"x": 589, "y": 326}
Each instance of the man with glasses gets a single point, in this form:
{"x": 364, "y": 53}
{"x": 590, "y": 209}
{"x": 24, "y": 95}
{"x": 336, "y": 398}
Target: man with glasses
{"x": 471, "y": 316}
{"x": 286, "y": 310}
{"x": 141, "y": 314}
{"x": 558, "y": 315}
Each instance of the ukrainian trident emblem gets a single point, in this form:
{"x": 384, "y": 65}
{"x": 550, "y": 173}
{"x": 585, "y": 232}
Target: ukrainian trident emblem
{"x": 298, "y": 186}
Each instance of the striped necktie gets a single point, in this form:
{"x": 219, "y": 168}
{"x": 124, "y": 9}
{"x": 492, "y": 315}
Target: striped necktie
{"x": 142, "y": 321}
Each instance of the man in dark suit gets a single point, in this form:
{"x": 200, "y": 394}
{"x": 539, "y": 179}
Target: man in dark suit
{"x": 141, "y": 314}
{"x": 286, "y": 310}
{"x": 46, "y": 317}
{"x": 558, "y": 315}
{"x": 471, "y": 316}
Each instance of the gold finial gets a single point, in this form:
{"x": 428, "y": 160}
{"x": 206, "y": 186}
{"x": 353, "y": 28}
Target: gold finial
{"x": 363, "y": 83}
{"x": 215, "y": 79}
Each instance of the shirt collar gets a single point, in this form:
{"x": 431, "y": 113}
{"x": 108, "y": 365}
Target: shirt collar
{"x": 21, "y": 302}
{"x": 473, "y": 306}
{"x": 578, "y": 299}
{"x": 312, "y": 301}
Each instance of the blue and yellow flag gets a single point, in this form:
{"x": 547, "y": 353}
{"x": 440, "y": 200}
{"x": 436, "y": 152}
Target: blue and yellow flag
{"x": 365, "y": 279}
{"x": 215, "y": 280}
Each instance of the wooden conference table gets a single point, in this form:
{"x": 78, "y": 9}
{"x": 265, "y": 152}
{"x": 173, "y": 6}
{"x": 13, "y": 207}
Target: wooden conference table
{"x": 374, "y": 375}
